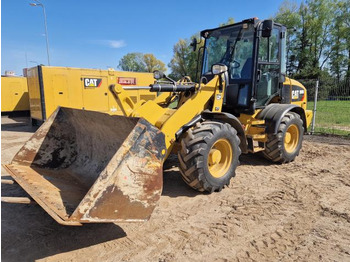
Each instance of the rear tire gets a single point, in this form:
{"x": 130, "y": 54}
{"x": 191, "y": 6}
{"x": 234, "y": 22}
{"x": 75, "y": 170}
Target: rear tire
{"x": 284, "y": 146}
{"x": 209, "y": 156}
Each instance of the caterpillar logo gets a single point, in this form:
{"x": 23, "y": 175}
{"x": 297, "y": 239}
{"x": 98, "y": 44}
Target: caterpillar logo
{"x": 92, "y": 82}
{"x": 298, "y": 94}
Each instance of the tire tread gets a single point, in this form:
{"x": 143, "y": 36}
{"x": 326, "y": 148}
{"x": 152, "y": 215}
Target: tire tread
{"x": 191, "y": 155}
{"x": 274, "y": 149}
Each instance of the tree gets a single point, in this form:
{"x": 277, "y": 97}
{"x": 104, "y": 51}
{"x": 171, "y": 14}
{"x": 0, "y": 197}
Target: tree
{"x": 345, "y": 9}
{"x": 229, "y": 21}
{"x": 320, "y": 18}
{"x": 303, "y": 39}
{"x": 288, "y": 15}
{"x": 185, "y": 60}
{"x": 340, "y": 56}
{"x": 317, "y": 41}
{"x": 152, "y": 63}
{"x": 132, "y": 62}
{"x": 138, "y": 62}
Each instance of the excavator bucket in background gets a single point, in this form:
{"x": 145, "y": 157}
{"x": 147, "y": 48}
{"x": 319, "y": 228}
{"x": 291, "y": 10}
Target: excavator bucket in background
{"x": 90, "y": 167}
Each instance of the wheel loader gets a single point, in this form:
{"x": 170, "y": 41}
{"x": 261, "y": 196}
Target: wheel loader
{"x": 90, "y": 167}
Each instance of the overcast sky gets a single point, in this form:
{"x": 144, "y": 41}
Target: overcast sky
{"x": 96, "y": 34}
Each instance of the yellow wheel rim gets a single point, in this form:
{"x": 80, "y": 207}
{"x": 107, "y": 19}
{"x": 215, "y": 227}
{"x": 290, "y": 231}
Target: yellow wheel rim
{"x": 220, "y": 158}
{"x": 291, "y": 138}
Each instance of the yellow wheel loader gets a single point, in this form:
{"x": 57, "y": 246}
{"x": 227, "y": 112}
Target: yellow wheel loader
{"x": 85, "y": 167}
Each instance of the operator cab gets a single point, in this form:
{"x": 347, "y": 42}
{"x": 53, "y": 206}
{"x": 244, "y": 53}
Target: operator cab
{"x": 254, "y": 53}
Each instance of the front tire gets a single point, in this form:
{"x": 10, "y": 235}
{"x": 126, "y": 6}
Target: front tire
{"x": 209, "y": 156}
{"x": 284, "y": 146}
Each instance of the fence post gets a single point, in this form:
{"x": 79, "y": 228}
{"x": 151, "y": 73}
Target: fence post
{"x": 315, "y": 107}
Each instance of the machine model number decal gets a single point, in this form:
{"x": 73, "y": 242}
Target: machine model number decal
{"x": 127, "y": 80}
{"x": 92, "y": 82}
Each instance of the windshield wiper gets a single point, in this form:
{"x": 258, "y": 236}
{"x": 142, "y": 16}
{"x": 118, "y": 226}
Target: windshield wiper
{"x": 229, "y": 55}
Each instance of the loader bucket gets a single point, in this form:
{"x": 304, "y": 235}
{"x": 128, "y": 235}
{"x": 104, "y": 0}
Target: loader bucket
{"x": 90, "y": 167}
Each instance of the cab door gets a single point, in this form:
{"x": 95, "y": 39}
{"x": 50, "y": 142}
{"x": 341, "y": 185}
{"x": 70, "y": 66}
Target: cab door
{"x": 269, "y": 66}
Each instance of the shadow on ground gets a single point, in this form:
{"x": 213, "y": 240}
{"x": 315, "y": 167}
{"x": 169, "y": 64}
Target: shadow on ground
{"x": 17, "y": 124}
{"x": 28, "y": 234}
{"x": 173, "y": 184}
{"x": 256, "y": 159}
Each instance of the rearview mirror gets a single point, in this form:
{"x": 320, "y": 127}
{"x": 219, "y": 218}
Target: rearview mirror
{"x": 267, "y": 27}
{"x": 194, "y": 44}
{"x": 218, "y": 69}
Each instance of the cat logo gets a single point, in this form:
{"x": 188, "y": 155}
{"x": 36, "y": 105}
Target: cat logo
{"x": 298, "y": 94}
{"x": 295, "y": 94}
{"x": 92, "y": 82}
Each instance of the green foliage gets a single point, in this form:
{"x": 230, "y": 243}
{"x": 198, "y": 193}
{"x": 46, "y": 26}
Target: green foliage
{"x": 138, "y": 62}
{"x": 132, "y": 62}
{"x": 184, "y": 61}
{"x": 321, "y": 42}
{"x": 320, "y": 16}
{"x": 319, "y": 45}
{"x": 229, "y": 21}
{"x": 288, "y": 15}
{"x": 340, "y": 56}
{"x": 152, "y": 63}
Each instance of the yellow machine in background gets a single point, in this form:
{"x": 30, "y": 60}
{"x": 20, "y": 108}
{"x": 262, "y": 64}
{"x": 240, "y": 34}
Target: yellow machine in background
{"x": 86, "y": 167}
{"x": 14, "y": 94}
{"x": 50, "y": 87}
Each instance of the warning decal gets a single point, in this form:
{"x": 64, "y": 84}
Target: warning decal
{"x": 127, "y": 80}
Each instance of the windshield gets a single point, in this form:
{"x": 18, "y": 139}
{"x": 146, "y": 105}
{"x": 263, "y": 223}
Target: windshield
{"x": 232, "y": 46}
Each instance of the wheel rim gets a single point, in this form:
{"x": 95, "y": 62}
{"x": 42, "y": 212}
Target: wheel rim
{"x": 220, "y": 158}
{"x": 291, "y": 138}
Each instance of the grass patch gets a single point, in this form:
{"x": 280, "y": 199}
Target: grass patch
{"x": 332, "y": 117}
{"x": 332, "y": 131}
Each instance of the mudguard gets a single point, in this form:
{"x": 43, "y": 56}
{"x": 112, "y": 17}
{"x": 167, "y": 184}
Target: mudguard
{"x": 233, "y": 121}
{"x": 273, "y": 114}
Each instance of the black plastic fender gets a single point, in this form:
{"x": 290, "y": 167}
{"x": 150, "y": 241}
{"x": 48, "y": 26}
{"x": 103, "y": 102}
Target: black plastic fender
{"x": 233, "y": 121}
{"x": 273, "y": 114}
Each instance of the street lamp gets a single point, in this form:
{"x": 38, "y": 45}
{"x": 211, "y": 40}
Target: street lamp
{"x": 47, "y": 37}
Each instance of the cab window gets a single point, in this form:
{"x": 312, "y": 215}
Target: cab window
{"x": 269, "y": 67}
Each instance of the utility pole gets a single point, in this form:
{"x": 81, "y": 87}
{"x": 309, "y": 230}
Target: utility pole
{"x": 46, "y": 34}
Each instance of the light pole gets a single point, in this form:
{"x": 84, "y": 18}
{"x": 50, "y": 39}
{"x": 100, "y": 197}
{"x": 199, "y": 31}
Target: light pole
{"x": 47, "y": 37}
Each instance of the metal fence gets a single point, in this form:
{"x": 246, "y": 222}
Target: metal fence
{"x": 330, "y": 100}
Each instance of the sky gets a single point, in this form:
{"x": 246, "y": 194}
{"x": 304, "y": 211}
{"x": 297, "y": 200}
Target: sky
{"x": 97, "y": 34}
